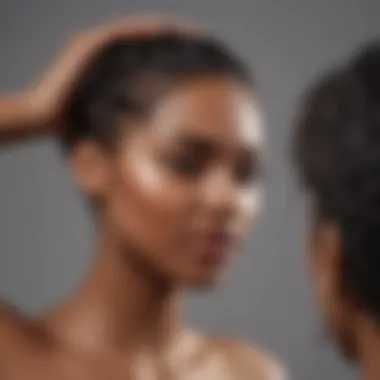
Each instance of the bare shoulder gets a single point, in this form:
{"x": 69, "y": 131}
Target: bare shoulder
{"x": 16, "y": 331}
{"x": 10, "y": 318}
{"x": 249, "y": 362}
{"x": 22, "y": 342}
{"x": 11, "y": 334}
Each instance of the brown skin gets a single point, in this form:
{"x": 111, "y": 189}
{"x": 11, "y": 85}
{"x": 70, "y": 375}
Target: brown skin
{"x": 179, "y": 178}
{"x": 353, "y": 329}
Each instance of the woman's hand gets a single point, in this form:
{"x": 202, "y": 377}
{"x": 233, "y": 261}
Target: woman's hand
{"x": 38, "y": 111}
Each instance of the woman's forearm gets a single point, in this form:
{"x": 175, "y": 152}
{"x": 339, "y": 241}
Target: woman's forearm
{"x": 19, "y": 119}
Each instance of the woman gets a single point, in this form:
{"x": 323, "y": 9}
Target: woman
{"x": 337, "y": 148}
{"x": 162, "y": 128}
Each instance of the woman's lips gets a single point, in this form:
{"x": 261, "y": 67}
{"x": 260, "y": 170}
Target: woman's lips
{"x": 215, "y": 247}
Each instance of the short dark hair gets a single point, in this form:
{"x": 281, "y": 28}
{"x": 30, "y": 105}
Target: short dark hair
{"x": 127, "y": 75}
{"x": 337, "y": 151}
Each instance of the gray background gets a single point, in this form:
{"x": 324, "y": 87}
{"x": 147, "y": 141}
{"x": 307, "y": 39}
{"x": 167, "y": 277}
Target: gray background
{"x": 44, "y": 234}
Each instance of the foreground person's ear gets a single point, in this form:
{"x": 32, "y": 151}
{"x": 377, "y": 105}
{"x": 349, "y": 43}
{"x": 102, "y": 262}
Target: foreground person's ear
{"x": 90, "y": 168}
{"x": 326, "y": 261}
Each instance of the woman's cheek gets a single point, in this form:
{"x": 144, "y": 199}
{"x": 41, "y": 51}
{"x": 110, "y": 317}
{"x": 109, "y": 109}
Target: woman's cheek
{"x": 251, "y": 204}
{"x": 158, "y": 186}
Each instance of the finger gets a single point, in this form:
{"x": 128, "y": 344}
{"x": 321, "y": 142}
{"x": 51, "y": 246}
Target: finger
{"x": 143, "y": 26}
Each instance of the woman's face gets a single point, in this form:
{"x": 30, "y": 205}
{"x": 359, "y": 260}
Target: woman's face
{"x": 183, "y": 188}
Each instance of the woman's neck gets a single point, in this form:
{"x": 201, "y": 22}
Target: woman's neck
{"x": 121, "y": 306}
{"x": 369, "y": 349}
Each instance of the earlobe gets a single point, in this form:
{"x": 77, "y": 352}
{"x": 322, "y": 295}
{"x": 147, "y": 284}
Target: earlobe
{"x": 89, "y": 164}
{"x": 331, "y": 251}
{"x": 328, "y": 265}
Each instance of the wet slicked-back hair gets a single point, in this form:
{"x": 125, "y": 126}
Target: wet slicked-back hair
{"x": 127, "y": 77}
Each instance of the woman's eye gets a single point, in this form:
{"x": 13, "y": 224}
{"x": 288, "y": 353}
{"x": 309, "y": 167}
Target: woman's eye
{"x": 247, "y": 171}
{"x": 189, "y": 165}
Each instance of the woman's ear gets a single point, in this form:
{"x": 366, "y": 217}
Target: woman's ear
{"x": 90, "y": 164}
{"x": 326, "y": 262}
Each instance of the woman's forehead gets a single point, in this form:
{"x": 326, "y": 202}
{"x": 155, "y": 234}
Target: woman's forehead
{"x": 211, "y": 108}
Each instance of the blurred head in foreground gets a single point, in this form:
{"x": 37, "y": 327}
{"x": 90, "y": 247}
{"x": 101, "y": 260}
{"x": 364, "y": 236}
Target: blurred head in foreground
{"x": 337, "y": 150}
